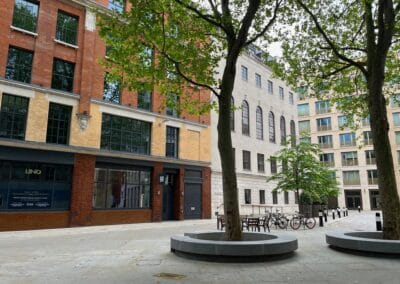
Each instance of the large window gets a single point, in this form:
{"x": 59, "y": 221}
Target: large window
{"x": 247, "y": 196}
{"x": 246, "y": 160}
{"x": 258, "y": 80}
{"x": 63, "y": 75}
{"x": 372, "y": 176}
{"x": 325, "y": 141}
{"x": 125, "y": 134}
{"x": 328, "y": 159}
{"x": 259, "y": 124}
{"x": 244, "y": 73}
{"x": 283, "y": 130}
{"x": 322, "y": 107}
{"x": 67, "y": 28}
{"x": 349, "y": 158}
{"x": 144, "y": 100}
{"x": 270, "y": 87}
{"x": 129, "y": 189}
{"x": 303, "y": 110}
{"x": 13, "y": 114}
{"x": 112, "y": 90}
{"x": 347, "y": 139}
{"x": 173, "y": 105}
{"x": 245, "y": 119}
{"x": 351, "y": 177}
{"x": 116, "y": 5}
{"x": 25, "y": 15}
{"x": 368, "y": 139}
{"x": 19, "y": 64}
{"x": 58, "y": 124}
{"x": 304, "y": 127}
{"x": 343, "y": 121}
{"x": 260, "y": 163}
{"x": 370, "y": 157}
{"x": 271, "y": 127}
{"x": 172, "y": 142}
{"x": 324, "y": 124}
{"x": 232, "y": 117}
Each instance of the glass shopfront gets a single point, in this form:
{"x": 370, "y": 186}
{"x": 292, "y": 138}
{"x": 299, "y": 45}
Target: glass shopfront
{"x": 34, "y": 186}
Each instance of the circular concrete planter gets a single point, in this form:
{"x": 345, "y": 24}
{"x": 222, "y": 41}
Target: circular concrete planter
{"x": 364, "y": 242}
{"x": 211, "y": 246}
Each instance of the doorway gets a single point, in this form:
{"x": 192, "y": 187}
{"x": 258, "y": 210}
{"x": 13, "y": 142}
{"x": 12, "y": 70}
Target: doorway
{"x": 375, "y": 200}
{"x": 168, "y": 197}
{"x": 353, "y": 199}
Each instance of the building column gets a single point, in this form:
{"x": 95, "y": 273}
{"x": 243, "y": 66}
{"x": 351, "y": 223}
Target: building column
{"x": 179, "y": 195}
{"x": 156, "y": 193}
{"x": 206, "y": 194}
{"x": 82, "y": 190}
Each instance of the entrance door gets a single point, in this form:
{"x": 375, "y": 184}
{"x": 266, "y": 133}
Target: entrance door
{"x": 168, "y": 198}
{"x": 353, "y": 199}
{"x": 192, "y": 201}
{"x": 375, "y": 200}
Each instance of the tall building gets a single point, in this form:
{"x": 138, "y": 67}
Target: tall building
{"x": 77, "y": 149}
{"x": 265, "y": 116}
{"x": 350, "y": 153}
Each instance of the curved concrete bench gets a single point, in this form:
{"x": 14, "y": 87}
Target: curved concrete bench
{"x": 253, "y": 247}
{"x": 363, "y": 241}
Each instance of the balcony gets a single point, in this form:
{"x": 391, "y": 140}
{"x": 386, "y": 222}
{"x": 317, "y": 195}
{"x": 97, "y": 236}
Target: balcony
{"x": 324, "y": 127}
{"x": 325, "y": 145}
{"x": 349, "y": 163}
{"x": 371, "y": 161}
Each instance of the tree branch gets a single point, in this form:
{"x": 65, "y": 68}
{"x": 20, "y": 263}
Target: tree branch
{"x": 334, "y": 72}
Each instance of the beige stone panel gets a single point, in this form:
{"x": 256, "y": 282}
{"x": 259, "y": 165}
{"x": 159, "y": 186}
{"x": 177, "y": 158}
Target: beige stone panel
{"x": 205, "y": 145}
{"x": 90, "y": 137}
{"x": 158, "y": 138}
{"x": 36, "y": 126}
{"x": 189, "y": 148}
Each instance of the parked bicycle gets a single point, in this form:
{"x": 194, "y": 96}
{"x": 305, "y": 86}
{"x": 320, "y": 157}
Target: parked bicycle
{"x": 278, "y": 219}
{"x": 299, "y": 219}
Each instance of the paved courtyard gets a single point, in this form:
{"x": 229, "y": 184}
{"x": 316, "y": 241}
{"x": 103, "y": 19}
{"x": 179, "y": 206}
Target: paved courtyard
{"x": 139, "y": 253}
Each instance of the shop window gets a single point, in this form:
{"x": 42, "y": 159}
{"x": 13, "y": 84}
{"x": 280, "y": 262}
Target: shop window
{"x": 67, "y": 28}
{"x": 25, "y": 15}
{"x": 63, "y": 75}
{"x": 19, "y": 65}
{"x": 13, "y": 115}
{"x": 125, "y": 134}
{"x": 112, "y": 90}
{"x": 58, "y": 124}
{"x": 172, "y": 142}
{"x": 144, "y": 100}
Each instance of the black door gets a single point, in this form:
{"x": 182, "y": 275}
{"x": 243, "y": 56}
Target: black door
{"x": 375, "y": 200}
{"x": 192, "y": 201}
{"x": 353, "y": 199}
{"x": 168, "y": 198}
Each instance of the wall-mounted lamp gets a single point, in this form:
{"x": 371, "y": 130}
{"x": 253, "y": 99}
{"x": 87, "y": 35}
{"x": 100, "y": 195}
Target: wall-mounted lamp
{"x": 83, "y": 119}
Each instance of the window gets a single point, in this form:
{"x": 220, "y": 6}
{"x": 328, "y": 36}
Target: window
{"x": 125, "y": 134}
{"x": 293, "y": 133}
{"x": 129, "y": 189}
{"x": 234, "y": 157}
{"x": 173, "y": 105}
{"x": 395, "y": 100}
{"x": 258, "y": 80}
{"x": 291, "y": 98}
{"x": 305, "y": 139}
{"x": 343, "y": 121}
{"x": 351, "y": 178}
{"x": 112, "y": 90}
{"x": 171, "y": 146}
{"x": 270, "y": 87}
{"x": 347, "y": 139}
{"x": 246, "y": 160}
{"x": 368, "y": 139}
{"x": 304, "y": 127}
{"x": 262, "y": 196}
{"x": 67, "y": 28}
{"x": 244, "y": 73}
{"x": 322, "y": 107}
{"x": 271, "y": 127}
{"x": 398, "y": 157}
{"x": 396, "y": 118}
{"x": 247, "y": 196}
{"x": 281, "y": 93}
{"x": 303, "y": 110}
{"x": 245, "y": 119}
{"x": 13, "y": 116}
{"x": 370, "y": 157}
{"x": 397, "y": 135}
{"x": 144, "y": 100}
{"x": 325, "y": 141}
{"x": 58, "y": 124}
{"x": 19, "y": 65}
{"x": 275, "y": 197}
{"x": 25, "y": 15}
{"x": 366, "y": 121}
{"x": 259, "y": 124}
{"x": 116, "y": 5}
{"x": 274, "y": 167}
{"x": 286, "y": 197}
{"x": 63, "y": 75}
{"x": 260, "y": 162}
{"x": 327, "y": 159}
{"x": 349, "y": 158}
{"x": 296, "y": 197}
{"x": 324, "y": 124}
{"x": 372, "y": 176}
{"x": 232, "y": 117}
{"x": 283, "y": 130}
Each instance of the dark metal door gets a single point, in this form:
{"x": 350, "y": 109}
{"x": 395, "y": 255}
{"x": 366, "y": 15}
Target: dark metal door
{"x": 375, "y": 200}
{"x": 192, "y": 201}
{"x": 168, "y": 199}
{"x": 353, "y": 199}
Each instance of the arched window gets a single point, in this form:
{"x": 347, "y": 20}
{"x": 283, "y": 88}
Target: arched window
{"x": 283, "y": 130}
{"x": 293, "y": 133}
{"x": 232, "y": 114}
{"x": 271, "y": 124}
{"x": 259, "y": 124}
{"x": 245, "y": 118}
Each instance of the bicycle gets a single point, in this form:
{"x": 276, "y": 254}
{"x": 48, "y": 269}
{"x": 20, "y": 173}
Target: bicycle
{"x": 299, "y": 219}
{"x": 278, "y": 219}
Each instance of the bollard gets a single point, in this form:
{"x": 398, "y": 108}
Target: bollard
{"x": 359, "y": 208}
{"x": 333, "y": 214}
{"x": 321, "y": 221}
{"x": 378, "y": 221}
{"x": 344, "y": 212}
{"x": 347, "y": 211}
{"x": 338, "y": 212}
{"x": 325, "y": 216}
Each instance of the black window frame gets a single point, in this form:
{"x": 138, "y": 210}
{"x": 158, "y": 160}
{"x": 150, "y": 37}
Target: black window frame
{"x": 174, "y": 109}
{"x": 112, "y": 90}
{"x": 144, "y": 101}
{"x": 13, "y": 116}
{"x": 247, "y": 196}
{"x": 274, "y": 197}
{"x": 259, "y": 124}
{"x": 13, "y": 71}
{"x": 172, "y": 142}
{"x": 271, "y": 127}
{"x": 26, "y": 21}
{"x": 245, "y": 118}
{"x": 58, "y": 77}
{"x": 262, "y": 196}
{"x": 117, "y": 6}
{"x": 274, "y": 165}
{"x": 58, "y": 124}
{"x": 246, "y": 160}
{"x": 64, "y": 32}
{"x": 282, "y": 126}
{"x": 260, "y": 163}
{"x": 244, "y": 73}
{"x": 286, "y": 197}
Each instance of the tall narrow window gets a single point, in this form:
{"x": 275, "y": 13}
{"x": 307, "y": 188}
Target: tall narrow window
{"x": 244, "y": 73}
{"x": 13, "y": 114}
{"x": 247, "y": 196}
{"x": 368, "y": 138}
{"x": 262, "y": 196}
{"x": 246, "y": 160}
{"x": 270, "y": 87}
{"x": 396, "y": 118}
{"x": 232, "y": 117}
{"x": 112, "y": 90}
{"x": 271, "y": 127}
{"x": 275, "y": 197}
{"x": 19, "y": 65}
{"x": 296, "y": 197}
{"x": 372, "y": 176}
{"x": 63, "y": 75}
{"x": 258, "y": 80}
{"x": 283, "y": 130}
{"x": 281, "y": 93}
{"x": 171, "y": 147}
{"x": 286, "y": 196}
{"x": 293, "y": 133}
{"x": 25, "y": 15}
{"x": 245, "y": 119}
{"x": 370, "y": 157}
{"x": 173, "y": 105}
{"x": 58, "y": 124}
{"x": 67, "y": 28}
{"x": 274, "y": 167}
{"x": 259, "y": 124}
{"x": 291, "y": 98}
{"x": 144, "y": 100}
{"x": 260, "y": 163}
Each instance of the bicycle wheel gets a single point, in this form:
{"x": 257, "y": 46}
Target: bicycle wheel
{"x": 282, "y": 223}
{"x": 310, "y": 222}
{"x": 295, "y": 223}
